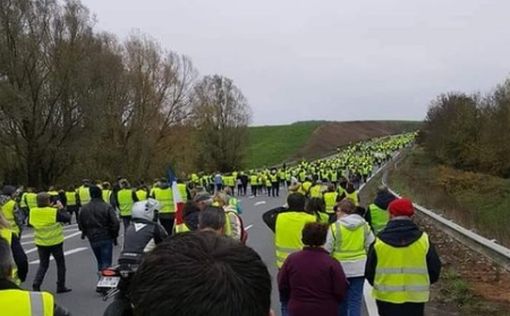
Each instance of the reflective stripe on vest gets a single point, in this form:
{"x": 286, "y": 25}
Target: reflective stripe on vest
{"x": 125, "y": 199}
{"x": 330, "y": 201}
{"x": 379, "y": 218}
{"x": 165, "y": 198}
{"x": 401, "y": 273}
{"x": 25, "y": 303}
{"x": 288, "y": 230}
{"x": 349, "y": 244}
{"x": 48, "y": 232}
{"x": 71, "y": 198}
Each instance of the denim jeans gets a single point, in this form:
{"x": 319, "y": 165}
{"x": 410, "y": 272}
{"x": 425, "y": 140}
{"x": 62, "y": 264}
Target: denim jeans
{"x": 103, "y": 251}
{"x": 285, "y": 308}
{"x": 351, "y": 305}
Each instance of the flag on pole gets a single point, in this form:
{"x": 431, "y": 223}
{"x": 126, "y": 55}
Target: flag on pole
{"x": 178, "y": 202}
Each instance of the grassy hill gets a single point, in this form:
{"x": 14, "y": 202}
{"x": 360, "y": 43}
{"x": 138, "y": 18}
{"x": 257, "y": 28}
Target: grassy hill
{"x": 270, "y": 145}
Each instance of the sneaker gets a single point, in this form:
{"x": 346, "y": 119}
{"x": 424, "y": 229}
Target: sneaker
{"x": 63, "y": 290}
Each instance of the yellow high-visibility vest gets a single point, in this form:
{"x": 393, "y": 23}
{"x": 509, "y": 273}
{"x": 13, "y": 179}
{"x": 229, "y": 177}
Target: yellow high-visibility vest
{"x": 71, "y": 198}
{"x": 182, "y": 191}
{"x": 165, "y": 198}
{"x": 84, "y": 194}
{"x": 181, "y": 228}
{"x": 31, "y": 200}
{"x": 125, "y": 199}
{"x": 353, "y": 197}
{"x": 106, "y": 194}
{"x": 25, "y": 303}
{"x": 349, "y": 244}
{"x": 7, "y": 235}
{"x": 401, "y": 274}
{"x": 379, "y": 218}
{"x": 48, "y": 232}
{"x": 330, "y": 201}
{"x": 141, "y": 195}
{"x": 8, "y": 211}
{"x": 289, "y": 226}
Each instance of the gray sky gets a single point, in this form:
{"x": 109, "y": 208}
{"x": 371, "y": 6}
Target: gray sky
{"x": 329, "y": 59}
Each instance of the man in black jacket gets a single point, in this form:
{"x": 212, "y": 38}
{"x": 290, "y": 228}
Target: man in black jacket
{"x": 401, "y": 264}
{"x": 100, "y": 225}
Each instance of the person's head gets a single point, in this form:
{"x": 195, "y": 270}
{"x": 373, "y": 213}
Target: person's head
{"x": 331, "y": 187}
{"x": 202, "y": 200}
{"x": 201, "y": 274}
{"x": 296, "y": 201}
{"x": 228, "y": 191}
{"x": 71, "y": 188}
{"x": 315, "y": 205}
{"x": 124, "y": 184}
{"x": 350, "y": 187}
{"x": 6, "y": 262}
{"x": 106, "y": 185}
{"x": 212, "y": 218}
{"x": 401, "y": 208}
{"x": 314, "y": 234}
{"x": 220, "y": 199}
{"x": 345, "y": 206}
{"x": 145, "y": 210}
{"x": 43, "y": 199}
{"x": 95, "y": 192}
{"x": 189, "y": 207}
{"x": 8, "y": 190}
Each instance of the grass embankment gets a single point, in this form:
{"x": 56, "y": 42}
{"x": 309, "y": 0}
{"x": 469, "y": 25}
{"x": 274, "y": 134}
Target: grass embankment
{"x": 270, "y": 145}
{"x": 473, "y": 200}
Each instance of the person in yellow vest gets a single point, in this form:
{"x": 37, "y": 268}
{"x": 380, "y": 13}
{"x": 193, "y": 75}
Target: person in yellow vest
{"x": 165, "y": 196}
{"x": 212, "y": 219}
{"x": 275, "y": 183}
{"x": 316, "y": 190}
{"x": 125, "y": 199}
{"x": 401, "y": 264}
{"x": 107, "y": 192}
{"x": 71, "y": 202}
{"x": 316, "y": 206}
{"x": 142, "y": 193}
{"x": 9, "y": 208}
{"x": 351, "y": 194}
{"x": 20, "y": 269}
{"x": 183, "y": 190}
{"x": 254, "y": 184}
{"x": 331, "y": 198}
{"x": 348, "y": 241}
{"x": 30, "y": 199}
{"x": 47, "y": 221}
{"x": 377, "y": 215}
{"x": 18, "y": 302}
{"x": 84, "y": 193}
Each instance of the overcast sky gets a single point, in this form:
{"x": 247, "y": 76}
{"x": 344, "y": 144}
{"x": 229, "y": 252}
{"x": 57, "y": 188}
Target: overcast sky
{"x": 329, "y": 59}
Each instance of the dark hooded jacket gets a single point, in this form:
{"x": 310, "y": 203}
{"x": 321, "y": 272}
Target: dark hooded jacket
{"x": 402, "y": 232}
{"x": 382, "y": 200}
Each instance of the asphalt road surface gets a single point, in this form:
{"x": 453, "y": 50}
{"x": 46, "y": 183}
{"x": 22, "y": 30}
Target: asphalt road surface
{"x": 81, "y": 263}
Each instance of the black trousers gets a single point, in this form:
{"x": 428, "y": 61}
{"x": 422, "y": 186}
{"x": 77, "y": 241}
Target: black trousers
{"x": 125, "y": 221}
{"x": 275, "y": 189}
{"x": 407, "y": 309}
{"x": 254, "y": 190}
{"x": 44, "y": 261}
{"x": 73, "y": 209}
{"x": 167, "y": 221}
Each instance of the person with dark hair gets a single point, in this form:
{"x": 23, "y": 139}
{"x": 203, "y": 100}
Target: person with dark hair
{"x": 190, "y": 214}
{"x": 401, "y": 264}
{"x": 316, "y": 206}
{"x": 47, "y": 221}
{"x": 348, "y": 241}
{"x": 310, "y": 280}
{"x": 212, "y": 219}
{"x": 98, "y": 222}
{"x": 201, "y": 273}
{"x": 72, "y": 202}
{"x": 16, "y": 301}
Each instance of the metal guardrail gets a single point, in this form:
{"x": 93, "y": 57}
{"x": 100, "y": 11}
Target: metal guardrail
{"x": 489, "y": 248}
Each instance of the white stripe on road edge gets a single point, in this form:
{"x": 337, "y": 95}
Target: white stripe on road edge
{"x": 369, "y": 300}
{"x": 259, "y": 203}
{"x": 66, "y": 237}
{"x": 66, "y": 253}
{"x": 248, "y": 227}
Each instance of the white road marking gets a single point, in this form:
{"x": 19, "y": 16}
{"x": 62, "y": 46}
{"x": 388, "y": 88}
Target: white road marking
{"x": 259, "y": 203}
{"x": 248, "y": 227}
{"x": 66, "y": 253}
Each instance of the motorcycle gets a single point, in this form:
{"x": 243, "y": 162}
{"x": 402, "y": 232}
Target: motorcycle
{"x": 114, "y": 283}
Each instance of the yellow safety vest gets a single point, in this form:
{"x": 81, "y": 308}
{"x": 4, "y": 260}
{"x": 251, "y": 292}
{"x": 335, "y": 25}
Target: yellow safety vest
{"x": 8, "y": 211}
{"x": 165, "y": 198}
{"x": 23, "y": 202}
{"x": 289, "y": 226}
{"x": 182, "y": 191}
{"x": 330, "y": 201}
{"x": 25, "y": 303}
{"x": 181, "y": 228}
{"x": 125, "y": 199}
{"x": 141, "y": 195}
{"x": 401, "y": 274}
{"x": 106, "y": 194}
{"x": 48, "y": 232}
{"x": 379, "y": 218}
{"x": 349, "y": 244}
{"x": 7, "y": 235}
{"x": 306, "y": 186}
{"x": 71, "y": 198}
{"x": 84, "y": 194}
{"x": 31, "y": 200}
{"x": 316, "y": 191}
{"x": 353, "y": 197}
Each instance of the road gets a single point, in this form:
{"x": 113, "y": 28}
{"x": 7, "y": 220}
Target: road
{"x": 81, "y": 264}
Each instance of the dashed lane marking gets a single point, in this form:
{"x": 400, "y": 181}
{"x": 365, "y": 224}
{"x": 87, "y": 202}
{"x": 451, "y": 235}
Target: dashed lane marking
{"x": 259, "y": 203}
{"x": 66, "y": 253}
{"x": 248, "y": 227}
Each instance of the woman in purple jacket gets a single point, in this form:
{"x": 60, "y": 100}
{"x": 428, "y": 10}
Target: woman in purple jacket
{"x": 311, "y": 281}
